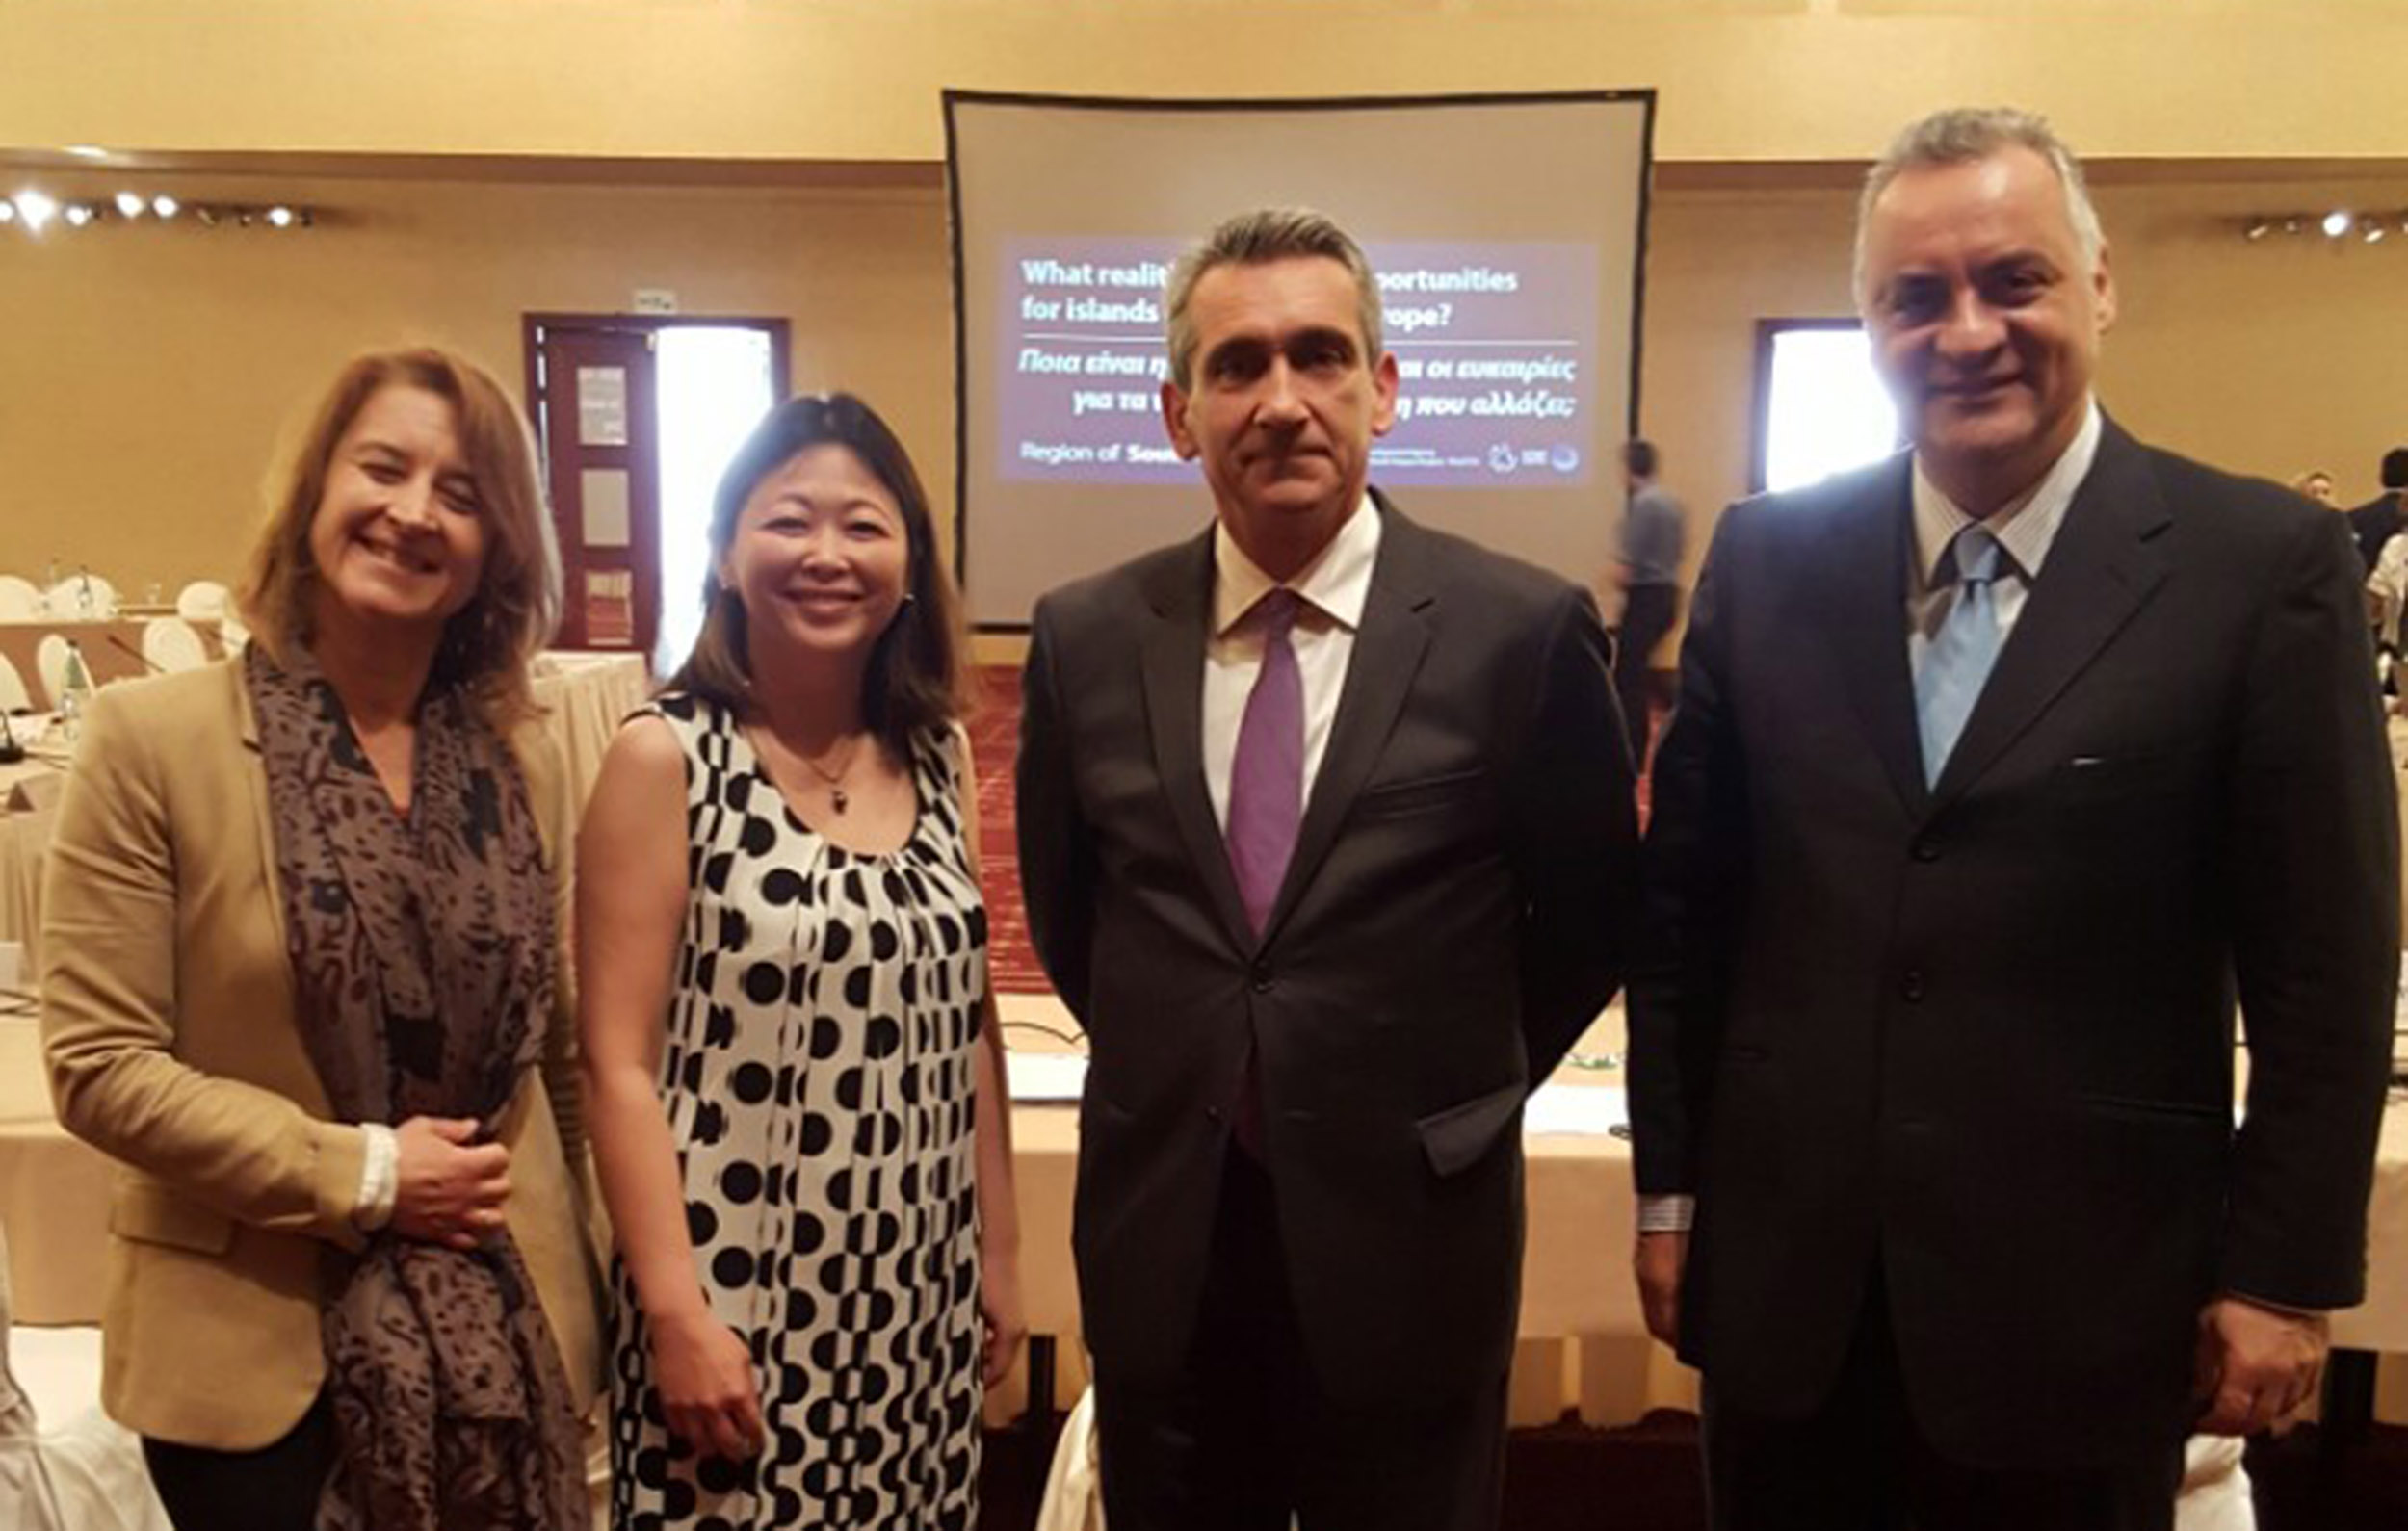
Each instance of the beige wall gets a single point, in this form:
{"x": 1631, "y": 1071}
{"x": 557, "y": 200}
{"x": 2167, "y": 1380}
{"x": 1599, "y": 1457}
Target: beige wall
{"x": 859, "y": 79}
{"x": 150, "y": 370}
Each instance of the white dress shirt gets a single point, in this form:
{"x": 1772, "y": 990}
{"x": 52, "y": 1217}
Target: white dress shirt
{"x": 2025, "y": 526}
{"x": 1332, "y": 589}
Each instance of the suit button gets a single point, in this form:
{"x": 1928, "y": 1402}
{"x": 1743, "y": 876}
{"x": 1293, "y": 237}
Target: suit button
{"x": 1926, "y": 849}
{"x": 1211, "y": 1114}
{"x": 1910, "y": 984}
{"x": 1260, "y": 978}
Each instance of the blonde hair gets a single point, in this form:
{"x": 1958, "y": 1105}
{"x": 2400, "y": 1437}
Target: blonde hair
{"x": 488, "y": 642}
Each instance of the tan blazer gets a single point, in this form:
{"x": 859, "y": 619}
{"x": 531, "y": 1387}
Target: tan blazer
{"x": 167, "y": 1020}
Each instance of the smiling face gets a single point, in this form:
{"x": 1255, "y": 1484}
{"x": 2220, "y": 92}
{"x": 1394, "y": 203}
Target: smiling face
{"x": 399, "y": 537}
{"x": 820, "y": 556}
{"x": 1284, "y": 403}
{"x": 1986, "y": 318}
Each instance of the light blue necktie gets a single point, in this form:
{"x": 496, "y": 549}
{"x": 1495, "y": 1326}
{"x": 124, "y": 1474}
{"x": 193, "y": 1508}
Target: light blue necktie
{"x": 1961, "y": 653}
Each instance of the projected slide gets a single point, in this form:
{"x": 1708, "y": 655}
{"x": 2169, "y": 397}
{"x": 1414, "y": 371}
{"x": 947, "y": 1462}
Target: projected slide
{"x": 1493, "y": 344}
{"x": 1507, "y": 233}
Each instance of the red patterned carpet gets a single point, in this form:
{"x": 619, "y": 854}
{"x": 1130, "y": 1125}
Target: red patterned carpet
{"x": 994, "y": 741}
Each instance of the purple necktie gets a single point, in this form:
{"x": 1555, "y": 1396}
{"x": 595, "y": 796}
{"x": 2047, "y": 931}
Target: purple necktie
{"x": 1266, "y": 804}
{"x": 1267, "y": 775}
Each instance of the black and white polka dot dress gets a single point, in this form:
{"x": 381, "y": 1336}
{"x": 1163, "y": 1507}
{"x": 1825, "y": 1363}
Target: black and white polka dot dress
{"x": 817, "y": 1076}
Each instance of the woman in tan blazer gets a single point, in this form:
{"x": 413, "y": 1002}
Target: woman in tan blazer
{"x": 302, "y": 978}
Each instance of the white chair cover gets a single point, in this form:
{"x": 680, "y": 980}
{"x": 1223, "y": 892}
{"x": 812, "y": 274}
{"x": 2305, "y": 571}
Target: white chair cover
{"x": 19, "y": 600}
{"x": 13, "y": 692}
{"x": 172, "y": 643}
{"x": 203, "y": 601}
{"x": 50, "y": 657}
{"x": 78, "y": 596}
{"x": 64, "y": 1464}
{"x": 232, "y": 635}
{"x": 2215, "y": 1488}
{"x": 1074, "y": 1487}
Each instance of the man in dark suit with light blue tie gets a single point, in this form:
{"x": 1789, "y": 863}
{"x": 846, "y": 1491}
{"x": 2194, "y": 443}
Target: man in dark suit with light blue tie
{"x": 2000, "y": 770}
{"x": 1327, "y": 833}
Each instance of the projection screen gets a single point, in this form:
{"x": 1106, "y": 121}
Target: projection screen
{"x": 1508, "y": 234}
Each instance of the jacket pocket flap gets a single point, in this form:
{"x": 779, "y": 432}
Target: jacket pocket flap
{"x": 1458, "y": 1135}
{"x": 150, "y": 1214}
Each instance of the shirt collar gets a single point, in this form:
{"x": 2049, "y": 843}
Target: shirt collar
{"x": 2025, "y": 526}
{"x": 1336, "y": 583}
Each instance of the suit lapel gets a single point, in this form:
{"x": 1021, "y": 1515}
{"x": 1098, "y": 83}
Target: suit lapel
{"x": 2105, "y": 563}
{"x": 1172, "y": 663}
{"x": 1387, "y": 655}
{"x": 1870, "y": 544}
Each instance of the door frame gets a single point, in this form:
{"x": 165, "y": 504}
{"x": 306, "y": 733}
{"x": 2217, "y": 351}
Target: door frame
{"x": 533, "y": 327}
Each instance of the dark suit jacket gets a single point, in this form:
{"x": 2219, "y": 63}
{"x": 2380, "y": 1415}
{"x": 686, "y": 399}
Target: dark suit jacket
{"x": 2375, "y": 522}
{"x": 1456, "y": 914}
{"x": 1980, "y": 1036}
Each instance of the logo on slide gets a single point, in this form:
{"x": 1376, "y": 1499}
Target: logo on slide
{"x": 1564, "y": 458}
{"x": 1503, "y": 458}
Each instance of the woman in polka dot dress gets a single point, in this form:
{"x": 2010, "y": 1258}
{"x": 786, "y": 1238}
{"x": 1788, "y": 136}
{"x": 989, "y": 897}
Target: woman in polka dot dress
{"x": 796, "y": 1082}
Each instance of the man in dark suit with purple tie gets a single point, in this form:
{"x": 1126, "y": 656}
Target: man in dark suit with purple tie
{"x": 1327, "y": 833}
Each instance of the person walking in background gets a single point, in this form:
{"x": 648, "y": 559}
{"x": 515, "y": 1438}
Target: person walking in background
{"x": 2382, "y": 518}
{"x": 300, "y": 933}
{"x": 1654, "y": 532}
{"x": 796, "y": 1079}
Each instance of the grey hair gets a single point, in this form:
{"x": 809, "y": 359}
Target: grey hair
{"x": 1962, "y": 135}
{"x": 1258, "y": 238}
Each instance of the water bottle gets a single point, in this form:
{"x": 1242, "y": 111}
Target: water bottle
{"x": 75, "y": 692}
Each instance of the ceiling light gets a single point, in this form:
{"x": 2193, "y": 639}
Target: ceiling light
{"x": 2373, "y": 230}
{"x": 131, "y": 205}
{"x": 80, "y": 214}
{"x": 7, "y": 211}
{"x": 36, "y": 209}
{"x": 88, "y": 152}
{"x": 280, "y": 216}
{"x": 164, "y": 206}
{"x": 2337, "y": 223}
{"x": 2258, "y": 228}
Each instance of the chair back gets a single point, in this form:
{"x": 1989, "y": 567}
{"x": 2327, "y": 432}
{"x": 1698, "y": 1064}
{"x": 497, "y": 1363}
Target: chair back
{"x": 50, "y": 659}
{"x": 13, "y": 697}
{"x": 19, "y": 600}
{"x": 78, "y": 596}
{"x": 203, "y": 601}
{"x": 170, "y": 643}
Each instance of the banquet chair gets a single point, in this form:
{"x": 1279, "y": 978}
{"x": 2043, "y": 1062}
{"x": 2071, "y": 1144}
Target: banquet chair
{"x": 203, "y": 601}
{"x": 170, "y": 643}
{"x": 64, "y": 1464}
{"x": 1074, "y": 1487}
{"x": 20, "y": 601}
{"x": 50, "y": 659}
{"x": 13, "y": 697}
{"x": 78, "y": 596}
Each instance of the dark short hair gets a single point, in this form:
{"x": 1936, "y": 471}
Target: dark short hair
{"x": 1638, "y": 454}
{"x": 914, "y": 681}
{"x": 1257, "y": 238}
{"x": 2396, "y": 468}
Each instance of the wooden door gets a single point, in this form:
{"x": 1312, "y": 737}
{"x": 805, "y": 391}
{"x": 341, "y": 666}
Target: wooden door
{"x": 590, "y": 387}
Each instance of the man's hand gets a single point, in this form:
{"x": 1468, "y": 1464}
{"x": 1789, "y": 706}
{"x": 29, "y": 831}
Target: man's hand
{"x": 2255, "y": 1365}
{"x": 1659, "y": 1260}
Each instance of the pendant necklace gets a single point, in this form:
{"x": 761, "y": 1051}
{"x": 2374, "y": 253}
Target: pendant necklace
{"x": 837, "y": 797}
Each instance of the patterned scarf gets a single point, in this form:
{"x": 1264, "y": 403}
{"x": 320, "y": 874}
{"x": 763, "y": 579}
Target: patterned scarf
{"x": 422, "y": 950}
